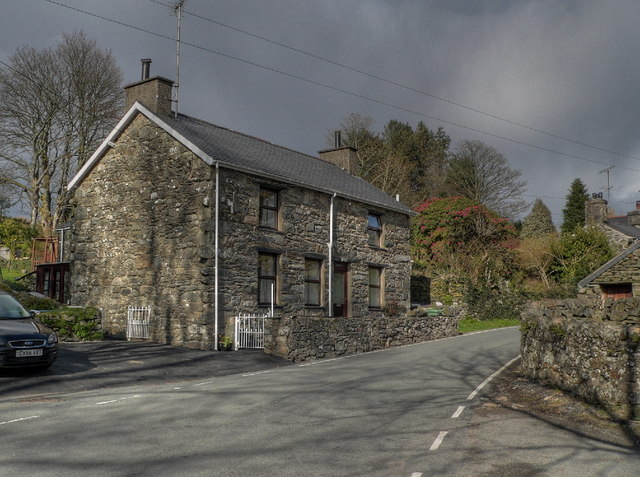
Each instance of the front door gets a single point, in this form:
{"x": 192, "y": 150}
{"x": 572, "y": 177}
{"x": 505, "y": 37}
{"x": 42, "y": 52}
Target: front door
{"x": 339, "y": 289}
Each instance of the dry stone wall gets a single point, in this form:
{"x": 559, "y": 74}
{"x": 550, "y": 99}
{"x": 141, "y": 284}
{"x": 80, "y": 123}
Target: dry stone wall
{"x": 588, "y": 348}
{"x": 300, "y": 338}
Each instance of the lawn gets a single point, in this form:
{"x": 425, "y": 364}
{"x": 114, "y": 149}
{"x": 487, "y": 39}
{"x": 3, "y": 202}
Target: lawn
{"x": 468, "y": 325}
{"x": 17, "y": 269}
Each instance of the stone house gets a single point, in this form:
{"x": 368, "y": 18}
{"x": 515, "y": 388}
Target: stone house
{"x": 620, "y": 276}
{"x": 201, "y": 223}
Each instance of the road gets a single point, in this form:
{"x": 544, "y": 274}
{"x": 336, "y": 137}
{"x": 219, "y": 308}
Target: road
{"x": 405, "y": 411}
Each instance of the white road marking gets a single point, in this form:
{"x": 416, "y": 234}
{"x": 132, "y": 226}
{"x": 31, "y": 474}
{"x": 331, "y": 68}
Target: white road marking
{"x": 18, "y": 420}
{"x": 117, "y": 400}
{"x": 486, "y": 381}
{"x": 258, "y": 373}
{"x": 202, "y": 384}
{"x": 458, "y": 412}
{"x": 416, "y": 474}
{"x": 438, "y": 441}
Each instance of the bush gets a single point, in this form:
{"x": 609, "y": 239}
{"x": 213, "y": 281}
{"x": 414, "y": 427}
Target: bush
{"x": 74, "y": 324}
{"x": 493, "y": 304}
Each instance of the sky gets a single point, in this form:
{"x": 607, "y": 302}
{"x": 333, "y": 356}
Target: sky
{"x": 550, "y": 84}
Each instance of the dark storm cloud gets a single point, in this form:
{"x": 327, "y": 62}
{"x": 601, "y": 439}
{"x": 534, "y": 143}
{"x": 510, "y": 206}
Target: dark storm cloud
{"x": 565, "y": 67}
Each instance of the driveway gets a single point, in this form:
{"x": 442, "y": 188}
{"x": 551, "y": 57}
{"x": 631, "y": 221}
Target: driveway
{"x": 89, "y": 366}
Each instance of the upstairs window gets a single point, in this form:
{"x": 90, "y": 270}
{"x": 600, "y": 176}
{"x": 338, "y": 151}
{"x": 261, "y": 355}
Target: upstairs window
{"x": 267, "y": 278}
{"x": 375, "y": 287}
{"x": 312, "y": 282}
{"x": 374, "y": 227}
{"x": 269, "y": 208}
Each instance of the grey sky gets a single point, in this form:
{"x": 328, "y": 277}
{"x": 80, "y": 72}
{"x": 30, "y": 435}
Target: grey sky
{"x": 568, "y": 68}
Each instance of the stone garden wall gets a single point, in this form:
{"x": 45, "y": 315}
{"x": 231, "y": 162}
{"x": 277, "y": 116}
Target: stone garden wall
{"x": 588, "y": 348}
{"x": 301, "y": 338}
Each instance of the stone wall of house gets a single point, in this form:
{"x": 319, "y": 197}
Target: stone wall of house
{"x": 139, "y": 239}
{"x": 144, "y": 235}
{"x": 300, "y": 338}
{"x": 588, "y": 348}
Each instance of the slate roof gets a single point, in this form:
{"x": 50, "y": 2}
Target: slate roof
{"x": 620, "y": 224}
{"x": 264, "y": 158}
{"x": 249, "y": 154}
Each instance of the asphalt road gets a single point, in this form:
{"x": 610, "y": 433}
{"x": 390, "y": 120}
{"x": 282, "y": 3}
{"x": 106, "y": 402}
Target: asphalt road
{"x": 410, "y": 411}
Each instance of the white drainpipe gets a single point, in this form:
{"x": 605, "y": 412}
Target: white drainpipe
{"x": 217, "y": 218}
{"x": 330, "y": 245}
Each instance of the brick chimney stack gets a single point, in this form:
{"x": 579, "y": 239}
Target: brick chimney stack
{"x": 344, "y": 157}
{"x": 154, "y": 93}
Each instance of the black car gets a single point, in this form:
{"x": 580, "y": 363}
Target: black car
{"x": 24, "y": 341}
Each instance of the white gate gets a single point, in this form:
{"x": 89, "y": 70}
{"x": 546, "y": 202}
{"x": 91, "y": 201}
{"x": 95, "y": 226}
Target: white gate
{"x": 138, "y": 318}
{"x": 249, "y": 332}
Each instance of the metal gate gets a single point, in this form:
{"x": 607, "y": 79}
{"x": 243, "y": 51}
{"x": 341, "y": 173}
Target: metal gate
{"x": 138, "y": 318}
{"x": 249, "y": 331}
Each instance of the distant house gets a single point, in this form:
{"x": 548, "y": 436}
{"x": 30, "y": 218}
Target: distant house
{"x": 200, "y": 223}
{"x": 620, "y": 276}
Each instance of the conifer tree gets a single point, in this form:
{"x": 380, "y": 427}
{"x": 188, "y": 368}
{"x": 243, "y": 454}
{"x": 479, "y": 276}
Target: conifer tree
{"x": 573, "y": 212}
{"x": 539, "y": 222}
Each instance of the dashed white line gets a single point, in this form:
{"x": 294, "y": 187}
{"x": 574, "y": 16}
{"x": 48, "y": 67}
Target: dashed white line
{"x": 438, "y": 441}
{"x": 102, "y": 403}
{"x": 416, "y": 474}
{"x": 486, "y": 381}
{"x": 257, "y": 373}
{"x": 202, "y": 384}
{"x": 458, "y": 412}
{"x": 18, "y": 420}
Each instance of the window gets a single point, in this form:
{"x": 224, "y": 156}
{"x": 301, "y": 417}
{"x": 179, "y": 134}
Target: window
{"x": 375, "y": 287}
{"x": 269, "y": 208}
{"x": 267, "y": 277}
{"x": 374, "y": 226}
{"x": 312, "y": 282}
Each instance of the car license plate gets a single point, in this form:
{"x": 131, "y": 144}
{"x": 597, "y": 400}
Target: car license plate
{"x": 25, "y": 353}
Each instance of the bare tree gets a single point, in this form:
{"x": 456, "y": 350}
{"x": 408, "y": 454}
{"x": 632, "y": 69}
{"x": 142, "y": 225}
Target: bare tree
{"x": 55, "y": 107}
{"x": 480, "y": 173}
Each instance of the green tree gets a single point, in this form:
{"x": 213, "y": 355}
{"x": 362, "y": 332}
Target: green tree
{"x": 539, "y": 222}
{"x": 479, "y": 172}
{"x": 577, "y": 254}
{"x": 573, "y": 212}
{"x": 16, "y": 235}
{"x": 399, "y": 160}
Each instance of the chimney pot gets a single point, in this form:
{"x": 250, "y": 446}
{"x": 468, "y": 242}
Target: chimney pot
{"x": 337, "y": 137}
{"x": 146, "y": 68}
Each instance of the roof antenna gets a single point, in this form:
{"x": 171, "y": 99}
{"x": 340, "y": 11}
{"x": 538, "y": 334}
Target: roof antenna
{"x": 177, "y": 10}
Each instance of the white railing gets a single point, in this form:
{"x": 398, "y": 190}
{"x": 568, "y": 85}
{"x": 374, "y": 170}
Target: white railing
{"x": 249, "y": 331}
{"x": 138, "y": 318}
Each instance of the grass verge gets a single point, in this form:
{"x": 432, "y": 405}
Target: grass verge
{"x": 467, "y": 325}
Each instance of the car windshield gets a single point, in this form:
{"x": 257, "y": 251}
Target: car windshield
{"x": 10, "y": 309}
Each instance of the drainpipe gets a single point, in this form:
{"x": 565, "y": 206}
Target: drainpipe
{"x": 217, "y": 219}
{"x": 330, "y": 245}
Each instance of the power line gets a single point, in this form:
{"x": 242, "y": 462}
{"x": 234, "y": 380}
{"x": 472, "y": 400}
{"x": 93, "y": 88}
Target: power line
{"x": 340, "y": 90}
{"x": 404, "y": 86}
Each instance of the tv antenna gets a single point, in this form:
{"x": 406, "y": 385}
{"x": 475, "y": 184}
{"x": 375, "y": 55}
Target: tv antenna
{"x": 177, "y": 10}
{"x": 608, "y": 189}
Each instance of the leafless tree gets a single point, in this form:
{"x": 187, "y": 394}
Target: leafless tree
{"x": 480, "y": 173}
{"x": 56, "y": 105}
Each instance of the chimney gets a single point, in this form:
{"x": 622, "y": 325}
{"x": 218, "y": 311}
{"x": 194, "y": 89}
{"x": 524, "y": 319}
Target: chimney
{"x": 633, "y": 217}
{"x": 342, "y": 156}
{"x": 595, "y": 210}
{"x": 154, "y": 93}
